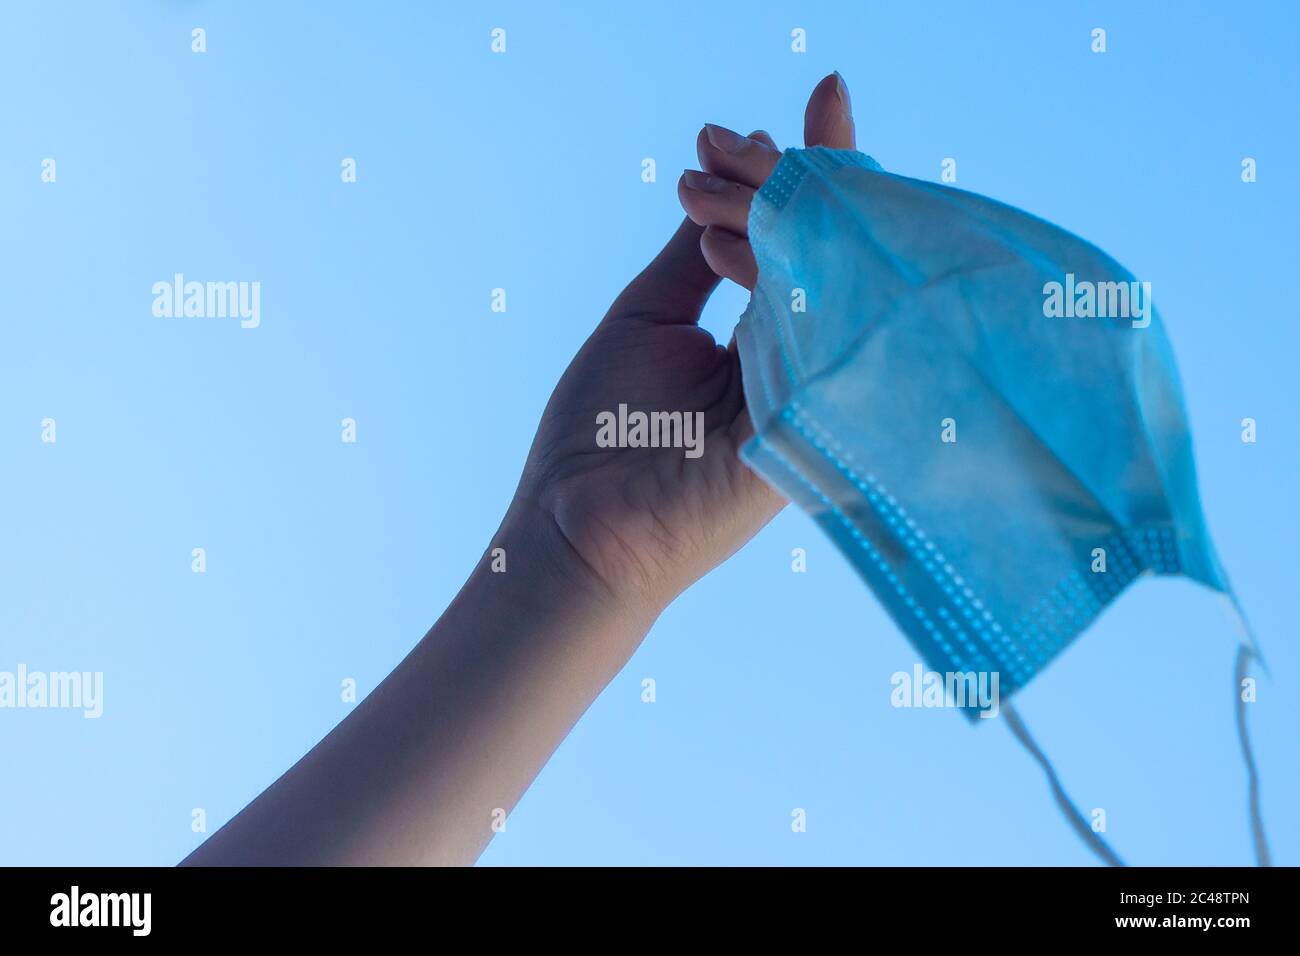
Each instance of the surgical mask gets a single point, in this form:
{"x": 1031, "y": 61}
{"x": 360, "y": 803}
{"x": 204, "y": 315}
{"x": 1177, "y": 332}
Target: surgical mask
{"x": 980, "y": 409}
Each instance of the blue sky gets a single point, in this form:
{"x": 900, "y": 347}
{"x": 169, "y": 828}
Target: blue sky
{"x": 522, "y": 170}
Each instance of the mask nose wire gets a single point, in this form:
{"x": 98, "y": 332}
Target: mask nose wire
{"x": 1068, "y": 809}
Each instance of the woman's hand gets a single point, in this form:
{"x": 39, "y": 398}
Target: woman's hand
{"x": 598, "y": 541}
{"x": 647, "y": 522}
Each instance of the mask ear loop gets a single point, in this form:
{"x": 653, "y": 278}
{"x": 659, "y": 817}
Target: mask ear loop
{"x": 1070, "y": 811}
{"x": 1247, "y": 651}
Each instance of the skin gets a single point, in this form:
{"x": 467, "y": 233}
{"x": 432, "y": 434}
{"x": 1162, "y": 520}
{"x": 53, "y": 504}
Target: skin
{"x": 598, "y": 543}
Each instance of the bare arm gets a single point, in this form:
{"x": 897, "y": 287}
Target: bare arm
{"x": 457, "y": 732}
{"x": 598, "y": 541}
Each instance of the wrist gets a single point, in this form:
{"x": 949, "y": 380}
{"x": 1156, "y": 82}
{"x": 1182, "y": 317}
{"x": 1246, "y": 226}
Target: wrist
{"x": 531, "y": 570}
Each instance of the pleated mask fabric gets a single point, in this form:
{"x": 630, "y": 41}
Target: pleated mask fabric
{"x": 979, "y": 408}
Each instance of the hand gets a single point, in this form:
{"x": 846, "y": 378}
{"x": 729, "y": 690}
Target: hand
{"x": 735, "y": 167}
{"x": 644, "y": 523}
{"x": 599, "y": 540}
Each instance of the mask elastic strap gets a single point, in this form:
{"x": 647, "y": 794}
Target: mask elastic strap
{"x": 1072, "y": 814}
{"x": 1247, "y": 651}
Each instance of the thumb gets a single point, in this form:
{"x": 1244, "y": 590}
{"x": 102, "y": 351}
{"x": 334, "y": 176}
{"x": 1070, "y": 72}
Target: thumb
{"x": 828, "y": 120}
{"x": 673, "y": 288}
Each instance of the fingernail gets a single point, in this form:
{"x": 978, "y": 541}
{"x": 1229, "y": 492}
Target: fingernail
{"x": 842, "y": 91}
{"x": 724, "y": 139}
{"x": 703, "y": 182}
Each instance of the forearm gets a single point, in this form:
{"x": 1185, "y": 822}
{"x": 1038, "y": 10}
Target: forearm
{"x": 459, "y": 730}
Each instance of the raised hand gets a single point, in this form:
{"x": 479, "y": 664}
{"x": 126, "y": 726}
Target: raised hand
{"x": 649, "y": 521}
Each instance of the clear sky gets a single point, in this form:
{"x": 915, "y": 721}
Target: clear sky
{"x": 523, "y": 171}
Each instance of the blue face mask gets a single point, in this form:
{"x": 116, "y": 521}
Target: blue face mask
{"x": 980, "y": 409}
